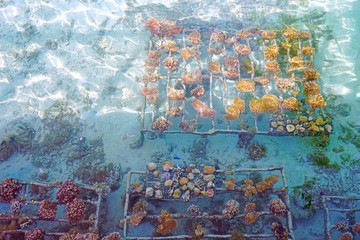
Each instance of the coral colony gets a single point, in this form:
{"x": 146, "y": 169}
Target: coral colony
{"x": 278, "y": 80}
{"x": 193, "y": 200}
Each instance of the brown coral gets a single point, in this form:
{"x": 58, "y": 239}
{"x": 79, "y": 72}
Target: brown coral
{"x": 162, "y": 28}
{"x": 195, "y": 38}
{"x": 271, "y": 52}
{"x": 67, "y": 192}
{"x": 231, "y": 61}
{"x": 250, "y": 215}
{"x": 167, "y": 223}
{"x": 262, "y": 80}
{"x": 242, "y": 49}
{"x": 291, "y": 33}
{"x": 171, "y": 63}
{"x": 271, "y": 103}
{"x": 218, "y": 36}
{"x": 245, "y": 86}
{"x": 257, "y": 105}
{"x": 249, "y": 188}
{"x": 230, "y": 183}
{"x": 161, "y": 124}
{"x": 311, "y": 74}
{"x": 203, "y": 110}
{"x": 188, "y": 53}
{"x": 231, "y": 209}
{"x": 285, "y": 84}
{"x": 35, "y": 234}
{"x": 75, "y": 210}
{"x": 197, "y": 92}
{"x": 308, "y": 51}
{"x": 192, "y": 78}
{"x": 277, "y": 207}
{"x": 154, "y": 54}
{"x": 9, "y": 189}
{"x": 290, "y": 104}
{"x": 168, "y": 46}
{"x": 175, "y": 94}
{"x": 175, "y": 112}
{"x": 231, "y": 73}
{"x": 214, "y": 66}
{"x": 356, "y": 228}
{"x": 280, "y": 232}
{"x": 268, "y": 35}
{"x": 47, "y": 210}
{"x": 267, "y": 183}
{"x": 245, "y": 33}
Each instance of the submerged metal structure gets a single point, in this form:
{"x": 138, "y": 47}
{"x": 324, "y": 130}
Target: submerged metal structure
{"x": 23, "y": 210}
{"x": 341, "y": 217}
{"x": 140, "y": 187}
{"x": 206, "y": 81}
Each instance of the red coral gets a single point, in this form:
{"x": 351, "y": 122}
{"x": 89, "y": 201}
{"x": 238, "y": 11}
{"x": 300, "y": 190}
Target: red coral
{"x": 67, "y": 192}
{"x": 35, "y": 234}
{"x": 75, "y": 210}
{"x": 47, "y": 210}
{"x": 9, "y": 190}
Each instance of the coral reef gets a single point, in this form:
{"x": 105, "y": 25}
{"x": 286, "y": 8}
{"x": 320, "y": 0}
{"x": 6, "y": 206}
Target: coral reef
{"x": 167, "y": 223}
{"x": 277, "y": 207}
{"x": 311, "y": 74}
{"x": 291, "y": 33}
{"x": 188, "y": 53}
{"x": 308, "y": 51}
{"x": 280, "y": 232}
{"x": 67, "y": 192}
{"x": 231, "y": 209}
{"x": 75, "y": 210}
{"x": 16, "y": 206}
{"x": 203, "y": 110}
{"x": 168, "y": 46}
{"x": 139, "y": 211}
{"x": 311, "y": 87}
{"x": 161, "y": 124}
{"x": 35, "y": 234}
{"x": 47, "y": 210}
{"x": 316, "y": 101}
{"x": 175, "y": 112}
{"x": 296, "y": 62}
{"x": 9, "y": 189}
{"x": 250, "y": 213}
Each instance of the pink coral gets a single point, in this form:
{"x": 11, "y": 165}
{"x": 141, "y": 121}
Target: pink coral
{"x": 277, "y": 207}
{"x": 47, "y": 209}
{"x": 67, "y": 192}
{"x": 9, "y": 189}
{"x": 75, "y": 210}
{"x": 231, "y": 209}
{"x": 35, "y": 234}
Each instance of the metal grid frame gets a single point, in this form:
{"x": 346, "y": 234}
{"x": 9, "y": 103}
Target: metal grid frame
{"x": 172, "y": 79}
{"x": 329, "y": 227}
{"x": 283, "y": 190}
{"x": 23, "y": 194}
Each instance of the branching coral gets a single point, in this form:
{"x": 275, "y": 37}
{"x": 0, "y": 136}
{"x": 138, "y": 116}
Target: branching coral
{"x": 257, "y": 105}
{"x": 249, "y": 188}
{"x": 162, "y": 28}
{"x": 218, "y": 36}
{"x": 175, "y": 94}
{"x": 75, "y": 210}
{"x": 231, "y": 209}
{"x": 35, "y": 234}
{"x": 199, "y": 232}
{"x": 296, "y": 62}
{"x": 192, "y": 78}
{"x": 291, "y": 33}
{"x": 214, "y": 67}
{"x": 67, "y": 192}
{"x": 271, "y": 52}
{"x": 271, "y": 103}
{"x": 311, "y": 74}
{"x": 47, "y": 210}
{"x": 277, "y": 207}
{"x": 230, "y": 183}
{"x": 291, "y": 104}
{"x": 171, "y": 63}
{"x": 161, "y": 124}
{"x": 308, "y": 51}
{"x": 316, "y": 101}
{"x": 280, "y": 232}
{"x": 242, "y": 49}
{"x": 197, "y": 92}
{"x": 250, "y": 213}
{"x": 9, "y": 190}
{"x": 188, "y": 53}
{"x": 267, "y": 183}
{"x": 245, "y": 33}
{"x": 231, "y": 61}
{"x": 268, "y": 35}
{"x": 285, "y": 84}
{"x": 167, "y": 223}
{"x": 168, "y": 46}
{"x": 203, "y": 110}
{"x": 139, "y": 211}
{"x": 311, "y": 87}
{"x": 272, "y": 66}
{"x": 195, "y": 38}
{"x": 231, "y": 73}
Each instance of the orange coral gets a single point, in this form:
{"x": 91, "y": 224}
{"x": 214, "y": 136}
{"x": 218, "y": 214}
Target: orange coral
{"x": 138, "y": 213}
{"x": 311, "y": 87}
{"x": 250, "y": 215}
{"x": 245, "y": 33}
{"x": 271, "y": 52}
{"x": 245, "y": 86}
{"x": 291, "y": 33}
{"x": 231, "y": 61}
{"x": 262, "y": 81}
{"x": 167, "y": 223}
{"x": 239, "y": 103}
{"x": 267, "y": 183}
{"x": 203, "y": 110}
{"x": 230, "y": 184}
{"x": 192, "y": 78}
{"x": 271, "y": 102}
{"x": 290, "y": 103}
{"x": 268, "y": 35}
{"x": 171, "y": 63}
{"x": 231, "y": 73}
{"x": 188, "y": 53}
{"x": 296, "y": 62}
{"x": 168, "y": 46}
{"x": 308, "y": 51}
{"x": 162, "y": 28}
{"x": 242, "y": 49}
{"x": 311, "y": 74}
{"x": 248, "y": 188}
{"x": 232, "y": 113}
{"x": 199, "y": 232}
{"x": 272, "y": 66}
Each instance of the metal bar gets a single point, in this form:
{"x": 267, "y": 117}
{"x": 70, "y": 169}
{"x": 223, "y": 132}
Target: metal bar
{"x": 344, "y": 210}
{"x": 41, "y": 219}
{"x": 326, "y": 219}
{"x": 228, "y": 236}
{"x": 210, "y": 132}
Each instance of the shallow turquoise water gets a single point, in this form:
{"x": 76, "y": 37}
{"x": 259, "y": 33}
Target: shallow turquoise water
{"x": 69, "y": 95}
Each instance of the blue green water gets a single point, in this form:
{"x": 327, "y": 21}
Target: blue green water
{"x": 70, "y": 77}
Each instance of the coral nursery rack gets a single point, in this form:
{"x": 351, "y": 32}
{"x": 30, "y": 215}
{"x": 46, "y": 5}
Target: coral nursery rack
{"x": 347, "y": 209}
{"x": 207, "y": 81}
{"x": 31, "y": 216}
{"x": 136, "y": 189}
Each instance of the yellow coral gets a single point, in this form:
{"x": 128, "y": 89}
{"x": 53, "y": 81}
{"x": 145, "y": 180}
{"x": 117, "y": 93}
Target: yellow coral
{"x": 291, "y": 33}
{"x": 272, "y": 66}
{"x": 245, "y": 85}
{"x": 239, "y": 103}
{"x": 296, "y": 62}
{"x": 268, "y": 35}
{"x": 230, "y": 184}
{"x": 271, "y": 52}
{"x": 311, "y": 87}
{"x": 257, "y": 105}
{"x": 316, "y": 101}
{"x": 311, "y": 74}
{"x": 308, "y": 51}
{"x": 232, "y": 113}
{"x": 271, "y": 102}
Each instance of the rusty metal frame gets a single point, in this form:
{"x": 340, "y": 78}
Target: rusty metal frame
{"x": 23, "y": 194}
{"x": 283, "y": 190}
